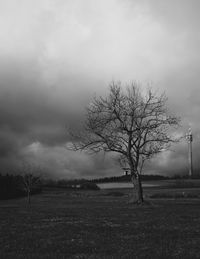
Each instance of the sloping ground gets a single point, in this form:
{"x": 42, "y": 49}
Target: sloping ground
{"x": 171, "y": 183}
{"x": 89, "y": 224}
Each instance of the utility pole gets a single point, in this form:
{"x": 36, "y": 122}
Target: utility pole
{"x": 189, "y": 138}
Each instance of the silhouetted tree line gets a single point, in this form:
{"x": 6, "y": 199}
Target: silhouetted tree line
{"x": 63, "y": 183}
{"x": 81, "y": 184}
{"x": 196, "y": 175}
{"x": 76, "y": 183}
{"x": 126, "y": 178}
{"x": 12, "y": 186}
{"x": 72, "y": 184}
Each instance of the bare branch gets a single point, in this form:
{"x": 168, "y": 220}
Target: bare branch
{"x": 134, "y": 125}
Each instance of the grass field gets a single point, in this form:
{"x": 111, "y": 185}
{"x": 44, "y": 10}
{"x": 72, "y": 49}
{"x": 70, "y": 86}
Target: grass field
{"x": 99, "y": 224}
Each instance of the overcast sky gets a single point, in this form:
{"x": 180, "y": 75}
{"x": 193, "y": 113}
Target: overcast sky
{"x": 55, "y": 54}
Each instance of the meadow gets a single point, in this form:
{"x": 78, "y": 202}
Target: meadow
{"x": 101, "y": 224}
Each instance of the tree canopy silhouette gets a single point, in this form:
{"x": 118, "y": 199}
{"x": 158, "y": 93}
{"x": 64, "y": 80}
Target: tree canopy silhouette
{"x": 134, "y": 124}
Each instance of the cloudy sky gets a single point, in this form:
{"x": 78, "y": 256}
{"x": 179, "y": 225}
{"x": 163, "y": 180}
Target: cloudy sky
{"x": 55, "y": 54}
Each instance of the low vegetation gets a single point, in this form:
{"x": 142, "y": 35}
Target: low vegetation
{"x": 89, "y": 186}
{"x": 63, "y": 223}
{"x": 12, "y": 186}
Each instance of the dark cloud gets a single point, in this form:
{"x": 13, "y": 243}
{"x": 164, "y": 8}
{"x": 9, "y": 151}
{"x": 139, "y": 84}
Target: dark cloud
{"x": 60, "y": 53}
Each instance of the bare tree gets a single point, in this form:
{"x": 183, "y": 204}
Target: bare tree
{"x": 31, "y": 179}
{"x": 130, "y": 123}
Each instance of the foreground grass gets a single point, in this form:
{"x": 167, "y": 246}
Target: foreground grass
{"x": 62, "y": 224}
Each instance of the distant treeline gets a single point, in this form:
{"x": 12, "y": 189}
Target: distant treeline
{"x": 12, "y": 186}
{"x": 64, "y": 183}
{"x": 76, "y": 183}
{"x": 127, "y": 178}
{"x": 81, "y": 184}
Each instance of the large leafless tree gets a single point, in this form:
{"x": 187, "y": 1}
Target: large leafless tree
{"x": 134, "y": 124}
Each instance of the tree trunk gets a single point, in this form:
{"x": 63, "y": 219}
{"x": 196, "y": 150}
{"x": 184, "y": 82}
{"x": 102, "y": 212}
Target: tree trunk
{"x": 140, "y": 190}
{"x": 135, "y": 192}
{"x": 137, "y": 189}
{"x": 29, "y": 197}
